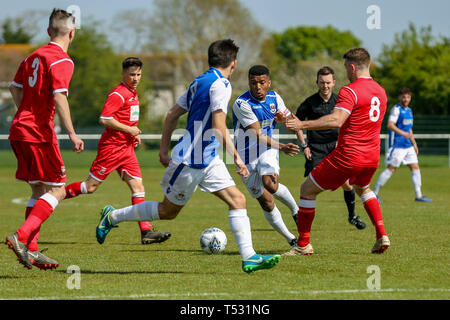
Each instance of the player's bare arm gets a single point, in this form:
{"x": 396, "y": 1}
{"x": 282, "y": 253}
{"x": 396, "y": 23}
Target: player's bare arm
{"x": 306, "y": 149}
{"x": 116, "y": 125}
{"x": 220, "y": 129}
{"x": 16, "y": 93}
{"x": 414, "y": 143}
{"x": 63, "y": 110}
{"x": 255, "y": 131}
{"x": 330, "y": 121}
{"x": 170, "y": 124}
{"x": 391, "y": 126}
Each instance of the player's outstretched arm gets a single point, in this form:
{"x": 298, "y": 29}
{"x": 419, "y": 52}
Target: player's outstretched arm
{"x": 112, "y": 123}
{"x": 170, "y": 123}
{"x": 63, "y": 110}
{"x": 221, "y": 132}
{"x": 255, "y": 131}
{"x": 330, "y": 121}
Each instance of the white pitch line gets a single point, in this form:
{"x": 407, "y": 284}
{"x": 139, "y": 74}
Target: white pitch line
{"x": 224, "y": 294}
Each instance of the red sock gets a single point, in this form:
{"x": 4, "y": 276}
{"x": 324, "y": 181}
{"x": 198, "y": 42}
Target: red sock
{"x": 40, "y": 212}
{"x": 305, "y": 217}
{"x": 373, "y": 209}
{"x": 33, "y": 246}
{"x": 73, "y": 190}
{"x": 143, "y": 225}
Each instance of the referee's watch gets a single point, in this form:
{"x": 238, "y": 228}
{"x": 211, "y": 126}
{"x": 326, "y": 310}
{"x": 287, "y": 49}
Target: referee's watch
{"x": 303, "y": 145}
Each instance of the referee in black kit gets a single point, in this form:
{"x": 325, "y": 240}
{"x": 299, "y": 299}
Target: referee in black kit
{"x": 322, "y": 142}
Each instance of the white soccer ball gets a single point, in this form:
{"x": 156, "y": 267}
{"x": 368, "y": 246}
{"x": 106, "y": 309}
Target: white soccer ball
{"x": 213, "y": 240}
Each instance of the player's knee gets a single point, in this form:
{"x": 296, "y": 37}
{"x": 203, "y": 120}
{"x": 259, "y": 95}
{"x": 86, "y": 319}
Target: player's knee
{"x": 91, "y": 188}
{"x": 238, "y": 201}
{"x": 167, "y": 212}
{"x": 270, "y": 183}
{"x": 267, "y": 204}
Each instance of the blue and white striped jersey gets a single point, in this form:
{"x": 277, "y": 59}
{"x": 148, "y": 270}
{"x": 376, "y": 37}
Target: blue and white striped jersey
{"x": 403, "y": 119}
{"x": 248, "y": 110}
{"x": 207, "y": 93}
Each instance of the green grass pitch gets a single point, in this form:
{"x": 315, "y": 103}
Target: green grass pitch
{"x": 415, "y": 267}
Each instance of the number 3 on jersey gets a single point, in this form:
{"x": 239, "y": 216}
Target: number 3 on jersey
{"x": 35, "y": 67}
{"x": 374, "y": 112}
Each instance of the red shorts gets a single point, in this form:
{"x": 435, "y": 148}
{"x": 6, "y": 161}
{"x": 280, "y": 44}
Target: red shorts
{"x": 111, "y": 157}
{"x": 39, "y": 163}
{"x": 328, "y": 176}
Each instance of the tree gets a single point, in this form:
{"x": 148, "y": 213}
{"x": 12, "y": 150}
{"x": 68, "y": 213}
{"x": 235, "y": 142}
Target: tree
{"x": 421, "y": 62}
{"x": 188, "y": 27}
{"x": 14, "y": 31}
{"x": 310, "y": 42}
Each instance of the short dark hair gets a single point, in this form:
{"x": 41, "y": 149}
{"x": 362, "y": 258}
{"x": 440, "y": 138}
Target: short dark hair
{"x": 60, "y": 22}
{"x": 258, "y": 70}
{"x": 324, "y": 71}
{"x": 405, "y": 90}
{"x": 358, "y": 56}
{"x": 131, "y": 62}
{"x": 222, "y": 53}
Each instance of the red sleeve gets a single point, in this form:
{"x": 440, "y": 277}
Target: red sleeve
{"x": 347, "y": 99}
{"x": 112, "y": 105}
{"x": 18, "y": 78}
{"x": 61, "y": 73}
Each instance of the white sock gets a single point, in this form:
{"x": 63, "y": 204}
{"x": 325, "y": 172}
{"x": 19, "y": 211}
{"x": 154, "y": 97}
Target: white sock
{"x": 416, "y": 179}
{"x": 50, "y": 199}
{"x": 240, "y": 226}
{"x": 276, "y": 221}
{"x": 286, "y": 198}
{"x": 83, "y": 187}
{"x": 144, "y": 211}
{"x": 382, "y": 179}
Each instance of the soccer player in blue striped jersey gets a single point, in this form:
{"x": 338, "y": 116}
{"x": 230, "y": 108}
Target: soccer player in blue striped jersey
{"x": 402, "y": 146}
{"x": 195, "y": 159}
{"x": 253, "y": 119}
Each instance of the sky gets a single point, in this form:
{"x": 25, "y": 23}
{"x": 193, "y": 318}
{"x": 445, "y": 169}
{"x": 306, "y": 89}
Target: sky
{"x": 277, "y": 15}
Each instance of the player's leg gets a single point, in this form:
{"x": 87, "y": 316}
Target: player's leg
{"x": 38, "y": 162}
{"x": 271, "y": 212}
{"x": 372, "y": 207}
{"x": 148, "y": 235}
{"x": 412, "y": 162}
{"x": 273, "y": 216}
{"x": 394, "y": 158}
{"x": 349, "y": 197}
{"x": 90, "y": 185}
{"x": 240, "y": 226}
{"x": 361, "y": 182}
{"x": 281, "y": 193}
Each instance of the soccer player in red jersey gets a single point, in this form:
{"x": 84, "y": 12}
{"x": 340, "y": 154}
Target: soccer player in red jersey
{"x": 358, "y": 113}
{"x": 120, "y": 116}
{"x": 40, "y": 88}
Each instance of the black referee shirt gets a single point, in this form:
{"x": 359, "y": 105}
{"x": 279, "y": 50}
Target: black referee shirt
{"x": 313, "y": 108}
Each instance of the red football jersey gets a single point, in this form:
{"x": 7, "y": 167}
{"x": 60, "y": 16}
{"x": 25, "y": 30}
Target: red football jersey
{"x": 359, "y": 137}
{"x": 122, "y": 105}
{"x": 43, "y": 73}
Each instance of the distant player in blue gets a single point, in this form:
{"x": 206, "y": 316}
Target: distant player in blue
{"x": 254, "y": 124}
{"x": 402, "y": 146}
{"x": 195, "y": 159}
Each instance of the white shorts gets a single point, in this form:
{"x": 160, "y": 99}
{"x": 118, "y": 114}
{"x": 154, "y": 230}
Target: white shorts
{"x": 266, "y": 164}
{"x": 396, "y": 156}
{"x": 180, "y": 181}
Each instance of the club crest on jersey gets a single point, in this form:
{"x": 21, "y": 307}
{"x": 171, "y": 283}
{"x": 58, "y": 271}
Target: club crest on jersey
{"x": 102, "y": 170}
{"x": 273, "y": 108}
{"x": 180, "y": 196}
{"x": 63, "y": 171}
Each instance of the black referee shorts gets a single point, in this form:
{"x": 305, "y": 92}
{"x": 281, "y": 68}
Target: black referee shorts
{"x": 318, "y": 151}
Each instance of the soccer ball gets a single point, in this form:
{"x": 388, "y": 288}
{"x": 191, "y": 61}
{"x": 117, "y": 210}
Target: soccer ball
{"x": 213, "y": 240}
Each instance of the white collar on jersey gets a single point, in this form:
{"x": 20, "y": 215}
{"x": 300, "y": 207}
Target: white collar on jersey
{"x": 53, "y": 42}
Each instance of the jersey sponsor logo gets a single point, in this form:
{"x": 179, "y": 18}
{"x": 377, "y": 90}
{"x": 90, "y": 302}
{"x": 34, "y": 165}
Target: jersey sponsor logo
{"x": 134, "y": 113}
{"x": 256, "y": 107}
{"x": 407, "y": 122}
